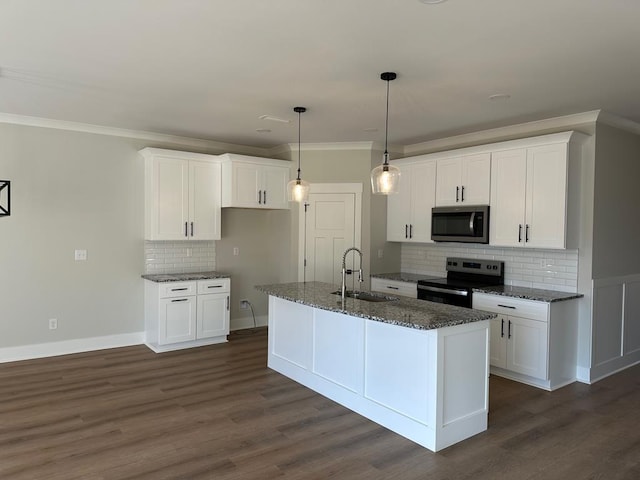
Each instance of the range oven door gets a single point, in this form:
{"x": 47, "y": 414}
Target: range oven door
{"x": 460, "y": 297}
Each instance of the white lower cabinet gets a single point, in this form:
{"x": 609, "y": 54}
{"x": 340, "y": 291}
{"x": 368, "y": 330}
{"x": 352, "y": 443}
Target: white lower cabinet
{"x": 530, "y": 341}
{"x": 394, "y": 287}
{"x": 186, "y": 314}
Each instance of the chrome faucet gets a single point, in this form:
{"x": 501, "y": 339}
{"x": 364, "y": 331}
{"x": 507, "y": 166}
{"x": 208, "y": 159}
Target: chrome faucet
{"x": 343, "y": 288}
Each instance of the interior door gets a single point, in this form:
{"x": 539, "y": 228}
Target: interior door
{"x": 330, "y": 230}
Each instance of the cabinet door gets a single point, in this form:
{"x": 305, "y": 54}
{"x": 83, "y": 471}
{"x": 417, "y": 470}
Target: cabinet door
{"x": 508, "y": 183}
{"x": 527, "y": 347}
{"x": 546, "y": 196}
{"x": 399, "y": 208}
{"x": 498, "y": 342}
{"x": 213, "y": 315}
{"x": 274, "y": 187}
{"x": 247, "y": 181}
{"x": 167, "y": 202}
{"x": 423, "y": 194}
{"x": 204, "y": 201}
{"x": 448, "y": 181}
{"x": 476, "y": 179}
{"x": 177, "y": 322}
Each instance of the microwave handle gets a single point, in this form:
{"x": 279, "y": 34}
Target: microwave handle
{"x": 472, "y": 220}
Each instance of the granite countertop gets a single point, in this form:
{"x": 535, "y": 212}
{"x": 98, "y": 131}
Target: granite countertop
{"x": 184, "y": 277}
{"x": 527, "y": 293}
{"x": 403, "y": 277}
{"x": 403, "y": 311}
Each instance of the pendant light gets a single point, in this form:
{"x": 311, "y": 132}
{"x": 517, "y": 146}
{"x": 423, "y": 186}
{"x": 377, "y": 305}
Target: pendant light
{"x": 298, "y": 189}
{"x": 385, "y": 178}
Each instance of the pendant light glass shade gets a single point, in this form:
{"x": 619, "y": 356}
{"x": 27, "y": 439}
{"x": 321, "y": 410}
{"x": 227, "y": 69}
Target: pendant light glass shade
{"x": 298, "y": 189}
{"x": 385, "y": 178}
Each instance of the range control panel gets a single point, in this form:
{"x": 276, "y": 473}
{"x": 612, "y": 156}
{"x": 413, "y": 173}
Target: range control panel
{"x": 470, "y": 265}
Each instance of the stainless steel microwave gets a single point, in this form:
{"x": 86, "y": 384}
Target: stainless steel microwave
{"x": 469, "y": 224}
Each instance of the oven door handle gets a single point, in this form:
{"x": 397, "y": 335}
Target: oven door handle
{"x": 461, "y": 293}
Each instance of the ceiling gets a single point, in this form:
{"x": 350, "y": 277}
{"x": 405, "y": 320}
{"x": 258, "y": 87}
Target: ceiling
{"x": 210, "y": 68}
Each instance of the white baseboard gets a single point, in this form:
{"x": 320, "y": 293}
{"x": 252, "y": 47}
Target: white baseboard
{"x": 247, "y": 322}
{"x": 66, "y": 347}
{"x": 583, "y": 375}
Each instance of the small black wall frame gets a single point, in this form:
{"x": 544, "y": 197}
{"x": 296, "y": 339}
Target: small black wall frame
{"x": 5, "y": 198}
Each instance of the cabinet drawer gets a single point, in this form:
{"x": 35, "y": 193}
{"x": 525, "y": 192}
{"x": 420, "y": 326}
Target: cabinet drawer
{"x": 214, "y": 285}
{"x": 394, "y": 287}
{"x": 177, "y": 289}
{"x": 511, "y": 306}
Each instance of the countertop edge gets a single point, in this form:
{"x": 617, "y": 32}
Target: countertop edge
{"x": 183, "y": 277}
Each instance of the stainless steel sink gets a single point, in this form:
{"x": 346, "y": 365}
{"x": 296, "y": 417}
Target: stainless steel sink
{"x": 366, "y": 296}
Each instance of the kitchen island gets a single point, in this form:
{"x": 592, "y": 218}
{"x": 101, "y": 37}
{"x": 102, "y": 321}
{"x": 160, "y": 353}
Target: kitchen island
{"x": 418, "y": 368}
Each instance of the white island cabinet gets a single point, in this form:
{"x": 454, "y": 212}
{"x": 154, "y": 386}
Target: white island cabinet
{"x": 429, "y": 385}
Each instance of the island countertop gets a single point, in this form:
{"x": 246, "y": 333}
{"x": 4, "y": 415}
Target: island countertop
{"x": 402, "y": 311}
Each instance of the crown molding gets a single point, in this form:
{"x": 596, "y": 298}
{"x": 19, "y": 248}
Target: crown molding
{"x": 334, "y": 146}
{"x": 503, "y": 133}
{"x": 176, "y": 140}
{"x": 619, "y": 122}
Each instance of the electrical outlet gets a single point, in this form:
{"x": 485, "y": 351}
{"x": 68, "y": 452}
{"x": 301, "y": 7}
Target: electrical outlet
{"x": 80, "y": 255}
{"x": 244, "y": 304}
{"x": 380, "y": 253}
{"x": 53, "y": 323}
{"x": 236, "y": 251}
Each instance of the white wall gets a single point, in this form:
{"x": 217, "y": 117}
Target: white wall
{"x": 70, "y": 191}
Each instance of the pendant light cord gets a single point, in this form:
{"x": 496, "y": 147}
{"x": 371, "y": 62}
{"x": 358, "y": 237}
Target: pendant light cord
{"x": 299, "y": 113}
{"x": 386, "y": 128}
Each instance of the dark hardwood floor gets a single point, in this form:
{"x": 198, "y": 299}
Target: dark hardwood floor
{"x": 218, "y": 413}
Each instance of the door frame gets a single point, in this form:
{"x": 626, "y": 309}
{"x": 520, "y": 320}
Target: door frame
{"x": 354, "y": 188}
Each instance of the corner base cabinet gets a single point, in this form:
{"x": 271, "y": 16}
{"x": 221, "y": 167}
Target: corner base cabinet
{"x": 532, "y": 342}
{"x": 430, "y": 386}
{"x": 186, "y": 314}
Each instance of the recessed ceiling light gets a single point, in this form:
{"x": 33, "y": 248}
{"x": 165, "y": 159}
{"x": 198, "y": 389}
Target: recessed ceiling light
{"x": 499, "y": 96}
{"x": 431, "y": 2}
{"x": 263, "y": 130}
{"x": 274, "y": 119}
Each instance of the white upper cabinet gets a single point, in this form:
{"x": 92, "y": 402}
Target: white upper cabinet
{"x": 182, "y": 195}
{"x": 409, "y": 211}
{"x": 463, "y": 180}
{"x": 529, "y": 197}
{"x": 253, "y": 182}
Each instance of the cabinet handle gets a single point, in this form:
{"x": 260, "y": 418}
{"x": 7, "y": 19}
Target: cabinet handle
{"x": 457, "y": 193}
{"x": 509, "y": 335}
{"x": 260, "y": 197}
{"x": 180, "y": 300}
{"x": 502, "y": 329}
{"x": 526, "y": 233}
{"x": 406, "y": 231}
{"x": 462, "y": 196}
{"x": 410, "y": 230}
{"x": 179, "y": 289}
{"x": 214, "y": 286}
{"x": 227, "y": 302}
{"x": 264, "y": 197}
{"x": 192, "y": 229}
{"x": 519, "y": 233}
{"x": 507, "y": 306}
{"x": 186, "y": 232}
{"x": 392, "y": 288}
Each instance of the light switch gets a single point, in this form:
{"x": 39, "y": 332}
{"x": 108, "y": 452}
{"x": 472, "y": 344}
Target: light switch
{"x": 80, "y": 255}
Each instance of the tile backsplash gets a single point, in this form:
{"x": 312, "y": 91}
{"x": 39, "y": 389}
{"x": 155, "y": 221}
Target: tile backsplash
{"x": 179, "y": 257}
{"x": 547, "y": 269}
